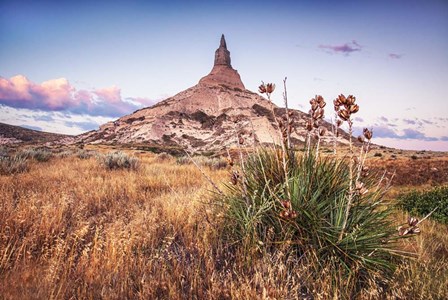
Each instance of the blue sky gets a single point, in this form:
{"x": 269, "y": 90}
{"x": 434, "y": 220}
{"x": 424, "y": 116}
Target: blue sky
{"x": 71, "y": 66}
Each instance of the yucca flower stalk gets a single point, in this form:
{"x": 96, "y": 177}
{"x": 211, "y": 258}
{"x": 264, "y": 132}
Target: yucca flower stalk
{"x": 345, "y": 107}
{"x": 284, "y": 129}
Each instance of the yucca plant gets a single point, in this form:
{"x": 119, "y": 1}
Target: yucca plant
{"x": 327, "y": 210}
{"x": 309, "y": 212}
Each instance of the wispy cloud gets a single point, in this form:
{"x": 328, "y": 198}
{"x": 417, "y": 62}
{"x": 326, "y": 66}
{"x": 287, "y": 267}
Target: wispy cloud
{"x": 395, "y": 56}
{"x": 384, "y": 131}
{"x": 410, "y": 133}
{"x": 410, "y": 122}
{"x": 60, "y": 95}
{"x": 346, "y": 48}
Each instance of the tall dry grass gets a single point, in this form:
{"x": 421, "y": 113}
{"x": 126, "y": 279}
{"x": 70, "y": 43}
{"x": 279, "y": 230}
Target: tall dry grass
{"x": 70, "y": 228}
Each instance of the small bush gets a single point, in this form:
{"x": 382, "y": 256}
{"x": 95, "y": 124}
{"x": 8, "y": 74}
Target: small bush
{"x": 85, "y": 154}
{"x": 64, "y": 154}
{"x": 377, "y": 154}
{"x": 414, "y": 157}
{"x": 13, "y": 165}
{"x": 4, "y": 152}
{"x": 210, "y": 162}
{"x": 41, "y": 155}
{"x": 422, "y": 203}
{"x": 119, "y": 160}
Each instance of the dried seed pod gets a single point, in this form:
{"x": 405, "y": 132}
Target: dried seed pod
{"x": 361, "y": 139}
{"x": 284, "y": 214}
{"x": 338, "y": 123}
{"x": 344, "y": 114}
{"x": 314, "y": 106}
{"x": 365, "y": 171}
{"x": 342, "y": 99}
{"x": 322, "y": 131}
{"x": 367, "y": 134}
{"x": 262, "y": 89}
{"x": 403, "y": 230}
{"x": 412, "y": 221}
{"x": 286, "y": 204}
{"x": 270, "y": 87}
{"x": 354, "y": 108}
{"x": 415, "y": 230}
{"x": 350, "y": 100}
{"x": 337, "y": 103}
{"x": 309, "y": 125}
{"x": 359, "y": 185}
{"x": 234, "y": 177}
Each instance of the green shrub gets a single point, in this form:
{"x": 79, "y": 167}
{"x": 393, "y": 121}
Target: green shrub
{"x": 317, "y": 192}
{"x": 119, "y": 160}
{"x": 422, "y": 203}
{"x": 13, "y": 165}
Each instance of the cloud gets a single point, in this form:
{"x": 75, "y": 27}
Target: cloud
{"x": 384, "y": 119}
{"x": 395, "y": 56}
{"x": 409, "y": 121}
{"x": 85, "y": 126}
{"x": 416, "y": 135}
{"x": 45, "y": 118}
{"x": 346, "y": 48}
{"x": 384, "y": 132}
{"x": 408, "y": 134}
{"x": 60, "y": 95}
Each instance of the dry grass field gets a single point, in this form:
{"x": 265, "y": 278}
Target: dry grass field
{"x": 72, "y": 229}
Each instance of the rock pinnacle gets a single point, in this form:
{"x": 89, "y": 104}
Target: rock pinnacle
{"x": 222, "y": 72}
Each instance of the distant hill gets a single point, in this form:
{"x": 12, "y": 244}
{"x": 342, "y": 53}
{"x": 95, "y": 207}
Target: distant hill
{"x": 10, "y": 134}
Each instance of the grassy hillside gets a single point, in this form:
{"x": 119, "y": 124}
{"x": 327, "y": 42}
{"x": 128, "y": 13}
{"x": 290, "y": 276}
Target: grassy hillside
{"x": 28, "y": 135}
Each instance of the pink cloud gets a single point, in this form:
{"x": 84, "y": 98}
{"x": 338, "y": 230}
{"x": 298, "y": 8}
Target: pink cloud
{"x": 60, "y": 95}
{"x": 346, "y": 48}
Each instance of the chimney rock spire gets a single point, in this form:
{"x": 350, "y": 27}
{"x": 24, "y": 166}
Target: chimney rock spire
{"x": 222, "y": 55}
{"x": 223, "y": 42}
{"x": 222, "y": 72}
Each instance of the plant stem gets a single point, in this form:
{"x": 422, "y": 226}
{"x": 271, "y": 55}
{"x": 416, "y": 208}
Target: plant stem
{"x": 350, "y": 193}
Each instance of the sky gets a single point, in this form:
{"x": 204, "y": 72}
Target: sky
{"x": 70, "y": 66}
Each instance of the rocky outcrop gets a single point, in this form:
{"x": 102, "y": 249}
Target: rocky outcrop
{"x": 212, "y": 115}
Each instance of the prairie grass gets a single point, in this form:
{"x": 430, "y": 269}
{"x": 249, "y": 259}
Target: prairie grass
{"x": 70, "y": 228}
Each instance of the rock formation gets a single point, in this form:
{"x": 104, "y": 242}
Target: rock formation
{"x": 212, "y": 115}
{"x": 222, "y": 72}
